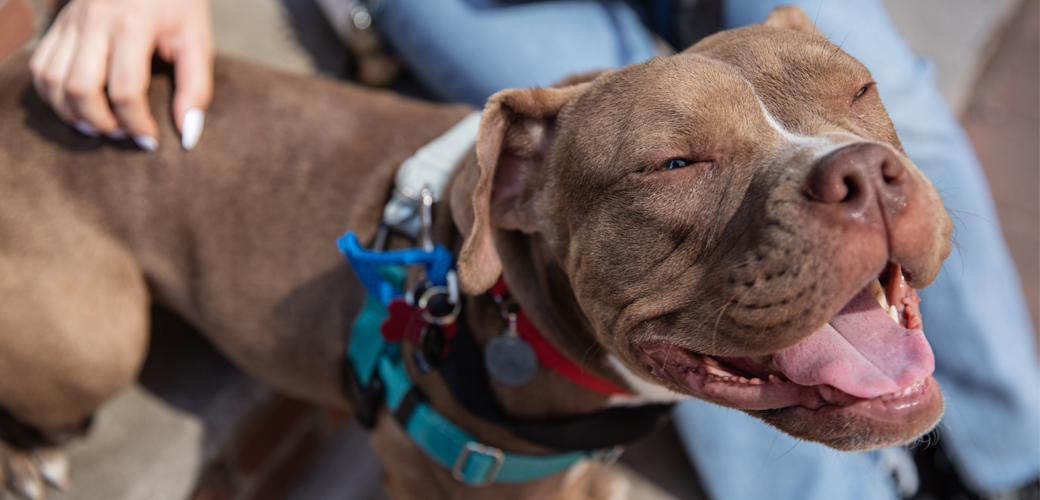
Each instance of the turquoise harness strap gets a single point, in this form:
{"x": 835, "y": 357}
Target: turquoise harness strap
{"x": 470, "y": 461}
{"x": 366, "y": 349}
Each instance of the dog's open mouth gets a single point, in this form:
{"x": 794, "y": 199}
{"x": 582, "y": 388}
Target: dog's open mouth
{"x": 872, "y": 354}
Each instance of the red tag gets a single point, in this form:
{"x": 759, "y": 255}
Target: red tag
{"x": 403, "y": 322}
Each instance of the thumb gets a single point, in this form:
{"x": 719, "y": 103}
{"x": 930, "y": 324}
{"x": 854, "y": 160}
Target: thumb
{"x": 193, "y": 87}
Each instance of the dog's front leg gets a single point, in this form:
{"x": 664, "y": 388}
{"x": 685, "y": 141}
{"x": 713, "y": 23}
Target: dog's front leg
{"x": 73, "y": 331}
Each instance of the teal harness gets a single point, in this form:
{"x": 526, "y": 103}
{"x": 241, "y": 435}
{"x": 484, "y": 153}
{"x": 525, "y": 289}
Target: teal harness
{"x": 375, "y": 373}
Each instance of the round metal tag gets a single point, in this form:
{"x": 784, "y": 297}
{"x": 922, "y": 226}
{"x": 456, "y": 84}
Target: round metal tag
{"x": 510, "y": 360}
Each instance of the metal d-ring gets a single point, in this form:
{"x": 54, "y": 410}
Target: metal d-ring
{"x": 447, "y": 319}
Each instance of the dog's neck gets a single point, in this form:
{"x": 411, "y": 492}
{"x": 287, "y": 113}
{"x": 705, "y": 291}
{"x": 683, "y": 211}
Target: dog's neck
{"x": 540, "y": 286}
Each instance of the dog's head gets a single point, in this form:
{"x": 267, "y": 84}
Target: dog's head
{"x": 737, "y": 222}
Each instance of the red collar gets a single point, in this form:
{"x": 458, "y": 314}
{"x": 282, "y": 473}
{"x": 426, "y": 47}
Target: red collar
{"x": 550, "y": 357}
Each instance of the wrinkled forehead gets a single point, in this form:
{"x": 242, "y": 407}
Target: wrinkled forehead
{"x": 728, "y": 86}
{"x": 666, "y": 86}
{"x": 788, "y": 69}
{"x": 659, "y": 102}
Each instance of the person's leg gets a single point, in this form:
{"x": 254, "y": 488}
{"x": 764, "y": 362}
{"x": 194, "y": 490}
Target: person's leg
{"x": 738, "y": 457}
{"x": 466, "y": 50}
{"x": 974, "y": 314}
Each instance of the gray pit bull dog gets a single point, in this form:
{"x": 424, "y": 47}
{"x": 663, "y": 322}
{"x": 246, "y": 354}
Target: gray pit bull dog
{"x": 736, "y": 223}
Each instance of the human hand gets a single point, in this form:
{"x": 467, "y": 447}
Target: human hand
{"x": 94, "y": 66}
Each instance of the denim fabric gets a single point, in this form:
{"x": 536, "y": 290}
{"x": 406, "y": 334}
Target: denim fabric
{"x": 974, "y": 314}
{"x": 466, "y": 50}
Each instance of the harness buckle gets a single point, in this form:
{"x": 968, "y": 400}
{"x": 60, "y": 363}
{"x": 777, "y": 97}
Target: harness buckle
{"x": 481, "y": 449}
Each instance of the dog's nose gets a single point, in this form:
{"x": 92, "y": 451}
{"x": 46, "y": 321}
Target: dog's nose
{"x": 853, "y": 177}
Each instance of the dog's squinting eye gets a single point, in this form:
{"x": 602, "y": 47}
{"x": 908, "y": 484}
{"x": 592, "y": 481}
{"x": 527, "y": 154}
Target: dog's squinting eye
{"x": 863, "y": 90}
{"x": 861, "y": 104}
{"x": 675, "y": 163}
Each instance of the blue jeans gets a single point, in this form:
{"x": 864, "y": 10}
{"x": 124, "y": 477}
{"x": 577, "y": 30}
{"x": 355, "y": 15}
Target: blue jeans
{"x": 974, "y": 313}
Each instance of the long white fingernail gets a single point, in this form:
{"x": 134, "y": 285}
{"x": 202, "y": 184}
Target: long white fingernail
{"x": 85, "y": 128}
{"x": 146, "y": 142}
{"x": 191, "y": 128}
{"x": 116, "y": 134}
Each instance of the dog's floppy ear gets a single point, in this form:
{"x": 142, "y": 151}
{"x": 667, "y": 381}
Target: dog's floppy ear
{"x": 516, "y": 131}
{"x": 792, "y": 17}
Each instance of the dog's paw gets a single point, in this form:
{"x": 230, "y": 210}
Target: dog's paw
{"x": 27, "y": 472}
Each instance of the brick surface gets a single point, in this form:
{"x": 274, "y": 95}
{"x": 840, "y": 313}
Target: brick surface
{"x": 288, "y": 469}
{"x": 268, "y": 433}
{"x": 1003, "y": 123}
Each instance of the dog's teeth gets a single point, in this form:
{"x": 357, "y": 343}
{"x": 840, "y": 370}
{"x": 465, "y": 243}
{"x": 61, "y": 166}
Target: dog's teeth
{"x": 755, "y": 381}
{"x": 743, "y": 380}
{"x": 894, "y": 313}
{"x": 879, "y": 293}
{"x": 716, "y": 371}
{"x": 772, "y": 365}
{"x": 773, "y": 378}
{"x": 710, "y": 361}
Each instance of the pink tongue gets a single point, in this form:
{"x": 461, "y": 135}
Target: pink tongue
{"x": 862, "y": 351}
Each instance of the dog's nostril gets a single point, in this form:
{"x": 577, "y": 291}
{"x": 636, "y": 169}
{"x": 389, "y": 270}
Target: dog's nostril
{"x": 850, "y": 190}
{"x": 892, "y": 171}
{"x": 836, "y": 181}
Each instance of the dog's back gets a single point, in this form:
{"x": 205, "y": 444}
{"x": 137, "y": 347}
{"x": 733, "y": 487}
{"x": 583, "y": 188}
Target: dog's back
{"x": 237, "y": 236}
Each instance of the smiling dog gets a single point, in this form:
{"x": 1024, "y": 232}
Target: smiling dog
{"x": 736, "y": 223}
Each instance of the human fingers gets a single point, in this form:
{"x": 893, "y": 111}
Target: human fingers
{"x": 52, "y": 70}
{"x": 85, "y": 82}
{"x": 43, "y": 51}
{"x": 193, "y": 74}
{"x": 128, "y": 77}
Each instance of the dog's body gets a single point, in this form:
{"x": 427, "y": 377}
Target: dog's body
{"x": 569, "y": 196}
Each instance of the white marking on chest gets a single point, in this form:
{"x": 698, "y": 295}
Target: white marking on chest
{"x": 644, "y": 392}
{"x": 576, "y": 471}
